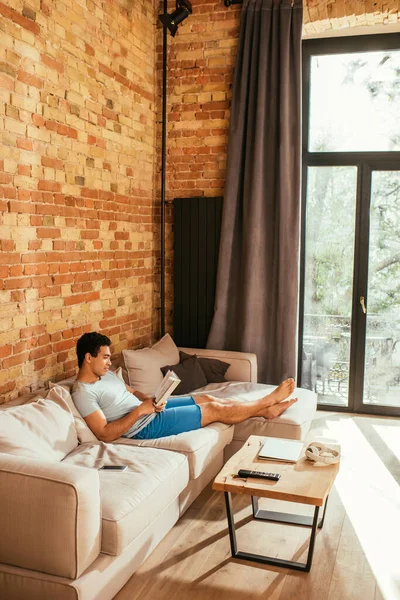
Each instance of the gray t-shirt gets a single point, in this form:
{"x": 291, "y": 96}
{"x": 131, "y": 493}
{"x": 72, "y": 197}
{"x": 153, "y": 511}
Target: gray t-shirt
{"x": 111, "y": 396}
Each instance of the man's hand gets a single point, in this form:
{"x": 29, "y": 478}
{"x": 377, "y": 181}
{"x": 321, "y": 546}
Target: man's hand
{"x": 147, "y": 407}
{"x": 160, "y": 407}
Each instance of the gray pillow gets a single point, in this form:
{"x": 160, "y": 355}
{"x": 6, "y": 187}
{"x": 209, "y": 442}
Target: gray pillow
{"x": 213, "y": 369}
{"x": 190, "y": 373}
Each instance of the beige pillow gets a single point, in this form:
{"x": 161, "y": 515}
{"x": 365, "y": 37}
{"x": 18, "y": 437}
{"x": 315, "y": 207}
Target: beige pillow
{"x": 66, "y": 383}
{"x": 144, "y": 366}
{"x": 58, "y": 393}
{"x": 43, "y": 430}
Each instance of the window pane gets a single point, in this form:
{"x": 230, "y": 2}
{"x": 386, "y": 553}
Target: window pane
{"x": 355, "y": 102}
{"x": 382, "y": 347}
{"x": 330, "y": 222}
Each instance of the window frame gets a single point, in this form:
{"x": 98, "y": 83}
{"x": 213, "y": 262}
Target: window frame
{"x": 365, "y": 162}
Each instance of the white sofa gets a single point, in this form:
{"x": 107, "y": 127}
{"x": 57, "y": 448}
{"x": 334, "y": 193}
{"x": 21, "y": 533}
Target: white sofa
{"x": 71, "y": 532}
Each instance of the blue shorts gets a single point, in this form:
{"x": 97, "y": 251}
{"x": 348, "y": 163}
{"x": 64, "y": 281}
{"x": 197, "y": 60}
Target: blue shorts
{"x": 180, "y": 414}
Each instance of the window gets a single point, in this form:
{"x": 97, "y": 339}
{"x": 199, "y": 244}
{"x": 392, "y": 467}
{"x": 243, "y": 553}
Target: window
{"x": 350, "y": 281}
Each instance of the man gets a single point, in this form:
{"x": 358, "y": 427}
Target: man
{"x": 112, "y": 409}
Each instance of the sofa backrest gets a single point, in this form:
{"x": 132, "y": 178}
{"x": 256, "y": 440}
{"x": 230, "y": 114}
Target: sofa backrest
{"x": 42, "y": 429}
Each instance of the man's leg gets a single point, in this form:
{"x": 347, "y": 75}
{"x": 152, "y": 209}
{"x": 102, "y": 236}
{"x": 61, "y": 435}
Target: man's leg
{"x": 283, "y": 391}
{"x": 173, "y": 420}
{"x": 233, "y": 412}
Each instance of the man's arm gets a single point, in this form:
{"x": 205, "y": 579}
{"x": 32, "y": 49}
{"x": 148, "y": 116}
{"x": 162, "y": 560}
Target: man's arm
{"x": 108, "y": 432}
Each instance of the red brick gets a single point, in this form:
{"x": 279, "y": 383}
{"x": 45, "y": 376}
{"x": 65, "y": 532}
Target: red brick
{"x": 48, "y": 232}
{"x": 40, "y": 352}
{"x": 16, "y": 271}
{"x": 8, "y": 258}
{"x": 30, "y": 79}
{"x": 53, "y": 163}
{"x": 24, "y": 195}
{"x": 52, "y": 63}
{"x": 15, "y": 16}
{"x": 68, "y": 131}
{"x": 49, "y": 186}
{"x": 40, "y": 364}
{"x": 109, "y": 114}
{"x": 38, "y": 120}
{"x": 24, "y": 144}
{"x": 62, "y": 357}
{"x": 20, "y": 347}
{"x": 88, "y": 193}
{"x": 34, "y": 244}
{"x": 5, "y": 351}
{"x": 89, "y": 234}
{"x": 13, "y": 361}
{"x": 89, "y": 50}
{"x": 7, "y": 387}
{"x": 5, "y": 178}
{"x": 20, "y": 207}
{"x": 7, "y": 246}
{"x": 51, "y": 125}
{"x": 64, "y": 345}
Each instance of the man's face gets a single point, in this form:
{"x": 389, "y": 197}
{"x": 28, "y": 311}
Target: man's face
{"x": 99, "y": 364}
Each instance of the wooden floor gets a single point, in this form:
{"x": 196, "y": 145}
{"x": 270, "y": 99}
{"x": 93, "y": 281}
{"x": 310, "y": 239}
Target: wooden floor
{"x": 357, "y": 553}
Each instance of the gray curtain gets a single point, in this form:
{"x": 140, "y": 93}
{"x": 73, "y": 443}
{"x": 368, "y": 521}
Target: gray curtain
{"x": 257, "y": 282}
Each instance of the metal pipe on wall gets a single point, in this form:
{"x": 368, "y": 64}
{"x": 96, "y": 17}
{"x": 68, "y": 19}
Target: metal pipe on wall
{"x": 163, "y": 173}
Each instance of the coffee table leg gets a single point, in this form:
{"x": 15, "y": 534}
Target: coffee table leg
{"x": 231, "y": 523}
{"x": 269, "y": 560}
{"x": 278, "y": 517}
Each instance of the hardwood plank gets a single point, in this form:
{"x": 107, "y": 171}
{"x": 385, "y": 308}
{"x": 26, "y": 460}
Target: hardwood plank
{"x": 352, "y": 576}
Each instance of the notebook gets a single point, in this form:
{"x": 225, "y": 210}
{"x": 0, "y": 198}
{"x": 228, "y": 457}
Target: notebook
{"x": 281, "y": 449}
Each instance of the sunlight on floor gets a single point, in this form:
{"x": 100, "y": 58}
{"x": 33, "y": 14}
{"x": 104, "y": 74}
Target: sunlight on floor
{"x": 391, "y": 437}
{"x": 371, "y": 497}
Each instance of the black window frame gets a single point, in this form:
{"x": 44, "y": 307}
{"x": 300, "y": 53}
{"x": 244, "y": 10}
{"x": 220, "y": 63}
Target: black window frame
{"x": 365, "y": 162}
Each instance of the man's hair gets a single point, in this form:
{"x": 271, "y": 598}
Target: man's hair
{"x": 90, "y": 342}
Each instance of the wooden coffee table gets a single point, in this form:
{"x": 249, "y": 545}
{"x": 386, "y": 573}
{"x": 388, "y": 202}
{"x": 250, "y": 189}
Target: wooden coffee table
{"x": 299, "y": 483}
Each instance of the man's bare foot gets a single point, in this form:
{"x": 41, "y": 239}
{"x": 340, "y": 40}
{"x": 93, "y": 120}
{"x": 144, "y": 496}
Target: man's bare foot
{"x": 280, "y": 393}
{"x": 283, "y": 390}
{"x": 276, "y": 410}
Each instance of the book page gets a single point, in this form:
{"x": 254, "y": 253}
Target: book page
{"x": 166, "y": 387}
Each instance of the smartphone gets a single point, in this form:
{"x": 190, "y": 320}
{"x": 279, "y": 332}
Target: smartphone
{"x": 113, "y": 468}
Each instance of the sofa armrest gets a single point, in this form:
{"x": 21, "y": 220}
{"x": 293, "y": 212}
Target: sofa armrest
{"x": 243, "y": 364}
{"x": 49, "y": 515}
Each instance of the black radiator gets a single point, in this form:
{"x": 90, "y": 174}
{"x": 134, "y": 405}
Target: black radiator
{"x": 197, "y": 228}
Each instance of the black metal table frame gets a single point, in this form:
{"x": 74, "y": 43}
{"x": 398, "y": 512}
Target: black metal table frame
{"x": 278, "y": 517}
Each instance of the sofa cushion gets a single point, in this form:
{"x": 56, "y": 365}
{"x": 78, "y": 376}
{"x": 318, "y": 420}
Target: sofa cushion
{"x": 200, "y": 446}
{"x": 144, "y": 366}
{"x": 132, "y": 499}
{"x": 190, "y": 373}
{"x": 43, "y": 429}
{"x": 59, "y": 393}
{"x": 213, "y": 369}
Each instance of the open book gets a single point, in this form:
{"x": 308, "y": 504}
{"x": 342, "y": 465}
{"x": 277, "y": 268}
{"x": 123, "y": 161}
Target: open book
{"x": 166, "y": 387}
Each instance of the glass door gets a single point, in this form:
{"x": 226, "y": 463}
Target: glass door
{"x": 328, "y": 289}
{"x": 349, "y": 318}
{"x": 380, "y": 304}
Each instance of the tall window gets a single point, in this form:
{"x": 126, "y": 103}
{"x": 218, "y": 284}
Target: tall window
{"x": 350, "y": 288}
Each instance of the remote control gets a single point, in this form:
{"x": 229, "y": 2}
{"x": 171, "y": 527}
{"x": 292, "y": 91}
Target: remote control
{"x": 259, "y": 474}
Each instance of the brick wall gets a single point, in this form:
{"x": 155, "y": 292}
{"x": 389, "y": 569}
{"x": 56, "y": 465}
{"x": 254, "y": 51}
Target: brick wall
{"x": 77, "y": 162}
{"x": 200, "y": 73}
